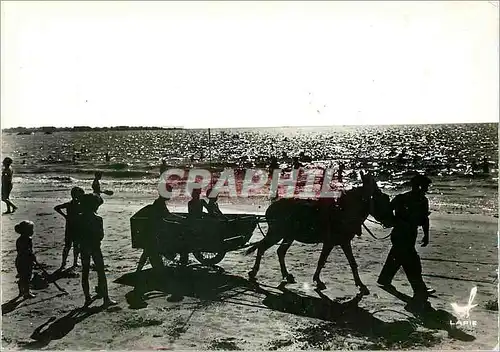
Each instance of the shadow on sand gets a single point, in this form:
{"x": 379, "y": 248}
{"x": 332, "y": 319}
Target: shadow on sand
{"x": 69, "y": 273}
{"x": 59, "y": 328}
{"x": 342, "y": 319}
{"x": 39, "y": 282}
{"x": 11, "y": 305}
{"x": 459, "y": 278}
{"x": 14, "y": 303}
{"x": 432, "y": 318}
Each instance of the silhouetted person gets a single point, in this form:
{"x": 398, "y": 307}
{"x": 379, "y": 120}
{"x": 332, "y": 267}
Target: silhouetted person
{"x": 73, "y": 223}
{"x": 25, "y": 257}
{"x": 212, "y": 206}
{"x": 296, "y": 164}
{"x": 305, "y": 158}
{"x": 340, "y": 172}
{"x": 96, "y": 185}
{"x": 159, "y": 212}
{"x": 474, "y": 166}
{"x": 90, "y": 246}
{"x": 7, "y": 175}
{"x": 196, "y": 205}
{"x": 401, "y": 156}
{"x": 273, "y": 162}
{"x": 107, "y": 157}
{"x": 411, "y": 210}
{"x": 163, "y": 166}
{"x": 195, "y": 212}
{"x": 273, "y": 165}
{"x": 284, "y": 156}
{"x": 486, "y": 166}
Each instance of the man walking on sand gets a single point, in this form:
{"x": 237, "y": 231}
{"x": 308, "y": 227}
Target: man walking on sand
{"x": 411, "y": 210}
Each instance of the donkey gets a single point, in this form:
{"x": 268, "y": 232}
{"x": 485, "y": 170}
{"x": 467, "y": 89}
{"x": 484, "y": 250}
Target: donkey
{"x": 307, "y": 221}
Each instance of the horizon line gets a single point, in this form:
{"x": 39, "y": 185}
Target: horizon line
{"x": 242, "y": 127}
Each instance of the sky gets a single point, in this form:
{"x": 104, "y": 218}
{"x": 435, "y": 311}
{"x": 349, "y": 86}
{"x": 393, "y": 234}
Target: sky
{"x": 248, "y": 64}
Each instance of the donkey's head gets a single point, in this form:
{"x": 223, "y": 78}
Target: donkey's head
{"x": 379, "y": 203}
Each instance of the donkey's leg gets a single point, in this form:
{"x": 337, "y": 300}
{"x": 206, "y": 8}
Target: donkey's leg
{"x": 325, "y": 252}
{"x": 346, "y": 247}
{"x": 282, "y": 249}
{"x": 267, "y": 242}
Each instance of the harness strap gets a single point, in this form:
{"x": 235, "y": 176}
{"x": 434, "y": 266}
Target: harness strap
{"x": 366, "y": 228}
{"x": 260, "y": 229}
{"x": 375, "y": 222}
{"x": 375, "y": 237}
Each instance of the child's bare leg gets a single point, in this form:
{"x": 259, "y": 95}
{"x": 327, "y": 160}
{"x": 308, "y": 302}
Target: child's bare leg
{"x": 24, "y": 271}
{"x": 14, "y": 208}
{"x": 20, "y": 287}
{"x": 25, "y": 283}
{"x": 102, "y": 283}
{"x": 85, "y": 276}
{"x": 76, "y": 252}
{"x": 101, "y": 275}
{"x": 65, "y": 255}
{"x": 8, "y": 206}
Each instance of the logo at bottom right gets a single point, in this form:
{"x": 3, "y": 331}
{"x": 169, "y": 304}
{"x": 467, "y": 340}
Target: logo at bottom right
{"x": 462, "y": 312}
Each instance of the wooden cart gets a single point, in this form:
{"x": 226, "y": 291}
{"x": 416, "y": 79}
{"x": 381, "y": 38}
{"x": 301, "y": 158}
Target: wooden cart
{"x": 208, "y": 238}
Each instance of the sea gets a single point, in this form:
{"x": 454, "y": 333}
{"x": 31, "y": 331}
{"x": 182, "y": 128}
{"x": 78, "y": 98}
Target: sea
{"x": 130, "y": 160}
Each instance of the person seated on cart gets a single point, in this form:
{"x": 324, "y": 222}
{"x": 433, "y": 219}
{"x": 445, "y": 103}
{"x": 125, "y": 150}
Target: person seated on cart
{"x": 199, "y": 223}
{"x": 196, "y": 205}
{"x": 213, "y": 206}
{"x": 159, "y": 214}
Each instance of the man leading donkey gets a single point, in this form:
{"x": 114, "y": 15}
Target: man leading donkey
{"x": 411, "y": 210}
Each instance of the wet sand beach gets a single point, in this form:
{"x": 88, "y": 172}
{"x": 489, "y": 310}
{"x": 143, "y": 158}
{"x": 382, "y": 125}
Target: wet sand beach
{"x": 220, "y": 309}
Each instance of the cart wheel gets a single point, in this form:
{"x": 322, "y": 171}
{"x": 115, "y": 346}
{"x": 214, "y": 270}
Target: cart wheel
{"x": 168, "y": 260}
{"x": 209, "y": 258}
{"x": 160, "y": 260}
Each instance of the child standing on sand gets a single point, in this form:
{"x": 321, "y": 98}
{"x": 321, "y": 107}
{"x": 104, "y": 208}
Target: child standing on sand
{"x": 72, "y": 216}
{"x": 96, "y": 186}
{"x": 90, "y": 247}
{"x": 7, "y": 174}
{"x": 25, "y": 257}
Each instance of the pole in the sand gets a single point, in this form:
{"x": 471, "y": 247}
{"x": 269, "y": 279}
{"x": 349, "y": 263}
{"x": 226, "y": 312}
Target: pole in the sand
{"x": 209, "y": 149}
{"x": 210, "y": 155}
